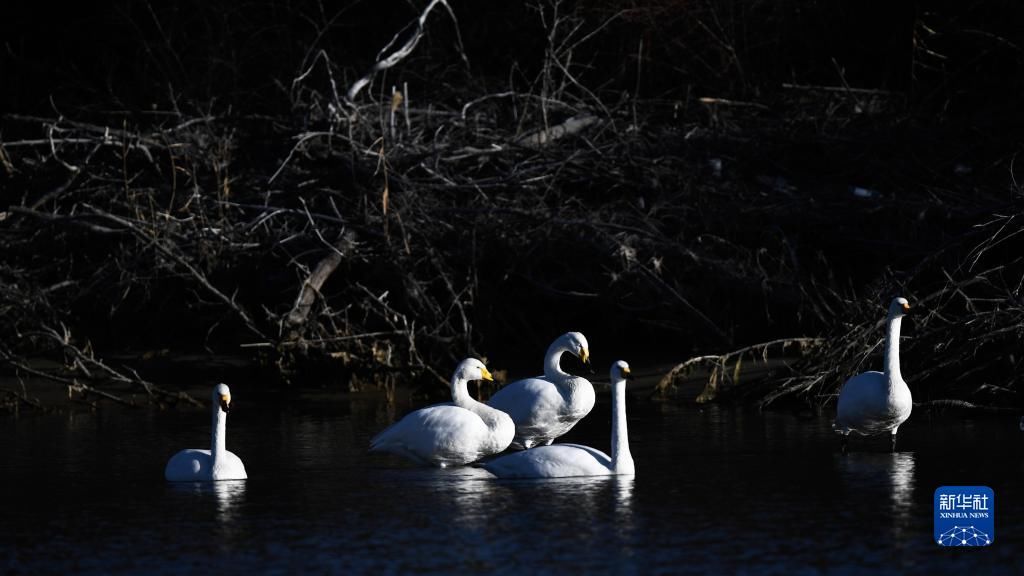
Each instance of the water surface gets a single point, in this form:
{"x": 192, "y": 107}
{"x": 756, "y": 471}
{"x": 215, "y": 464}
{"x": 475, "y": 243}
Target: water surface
{"x": 717, "y": 490}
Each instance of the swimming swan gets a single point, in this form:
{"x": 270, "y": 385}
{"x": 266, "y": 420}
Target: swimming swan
{"x": 450, "y": 434}
{"x": 213, "y": 464}
{"x": 877, "y": 402}
{"x": 562, "y": 460}
{"x": 548, "y": 406}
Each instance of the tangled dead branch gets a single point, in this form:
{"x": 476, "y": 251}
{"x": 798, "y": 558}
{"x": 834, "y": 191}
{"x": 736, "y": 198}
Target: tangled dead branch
{"x": 368, "y": 236}
{"x": 961, "y": 350}
{"x": 726, "y": 371}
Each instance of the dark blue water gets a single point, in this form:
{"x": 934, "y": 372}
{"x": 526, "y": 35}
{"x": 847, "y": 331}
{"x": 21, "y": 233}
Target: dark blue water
{"x": 717, "y": 491}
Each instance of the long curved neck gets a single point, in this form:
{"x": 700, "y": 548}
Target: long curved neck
{"x": 462, "y": 399}
{"x": 219, "y": 437}
{"x": 622, "y": 460}
{"x": 460, "y": 394}
{"x": 892, "y": 350}
{"x": 552, "y": 361}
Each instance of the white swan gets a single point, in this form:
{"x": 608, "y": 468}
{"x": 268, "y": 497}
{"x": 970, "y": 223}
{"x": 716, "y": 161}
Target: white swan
{"x": 563, "y": 460}
{"x": 877, "y": 402}
{"x": 213, "y": 464}
{"x": 449, "y": 434}
{"x": 548, "y": 406}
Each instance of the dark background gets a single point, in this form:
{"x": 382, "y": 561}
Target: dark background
{"x": 948, "y": 74}
{"x": 961, "y": 59}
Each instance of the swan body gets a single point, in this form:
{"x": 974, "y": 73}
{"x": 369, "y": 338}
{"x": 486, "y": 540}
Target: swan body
{"x": 444, "y": 435}
{"x": 217, "y": 463}
{"x": 565, "y": 460}
{"x": 548, "y": 406}
{"x": 878, "y": 402}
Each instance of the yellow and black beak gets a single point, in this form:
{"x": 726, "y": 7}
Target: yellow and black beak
{"x": 585, "y": 356}
{"x": 625, "y": 372}
{"x": 225, "y": 402}
{"x": 906, "y": 307}
{"x": 486, "y": 374}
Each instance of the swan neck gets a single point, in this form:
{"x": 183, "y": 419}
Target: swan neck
{"x": 892, "y": 350}
{"x": 553, "y": 360}
{"x": 622, "y": 460}
{"x": 220, "y": 426}
{"x": 460, "y": 393}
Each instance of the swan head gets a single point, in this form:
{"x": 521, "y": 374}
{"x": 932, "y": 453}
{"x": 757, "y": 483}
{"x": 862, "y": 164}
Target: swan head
{"x": 619, "y": 371}
{"x": 577, "y": 344}
{"x": 222, "y": 397}
{"x": 472, "y": 369}
{"x": 899, "y": 307}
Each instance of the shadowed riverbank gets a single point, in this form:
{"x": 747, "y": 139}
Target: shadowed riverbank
{"x": 362, "y": 210}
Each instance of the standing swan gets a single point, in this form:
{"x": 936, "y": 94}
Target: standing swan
{"x": 450, "y": 434}
{"x": 877, "y": 402}
{"x": 546, "y": 407}
{"x": 562, "y": 460}
{"x": 213, "y": 464}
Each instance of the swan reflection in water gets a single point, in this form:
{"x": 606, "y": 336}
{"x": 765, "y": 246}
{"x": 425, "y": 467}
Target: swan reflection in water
{"x": 901, "y": 475}
{"x": 229, "y": 496}
{"x": 475, "y": 500}
{"x": 624, "y": 523}
{"x": 623, "y": 486}
{"x": 582, "y": 504}
{"x": 893, "y": 473}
